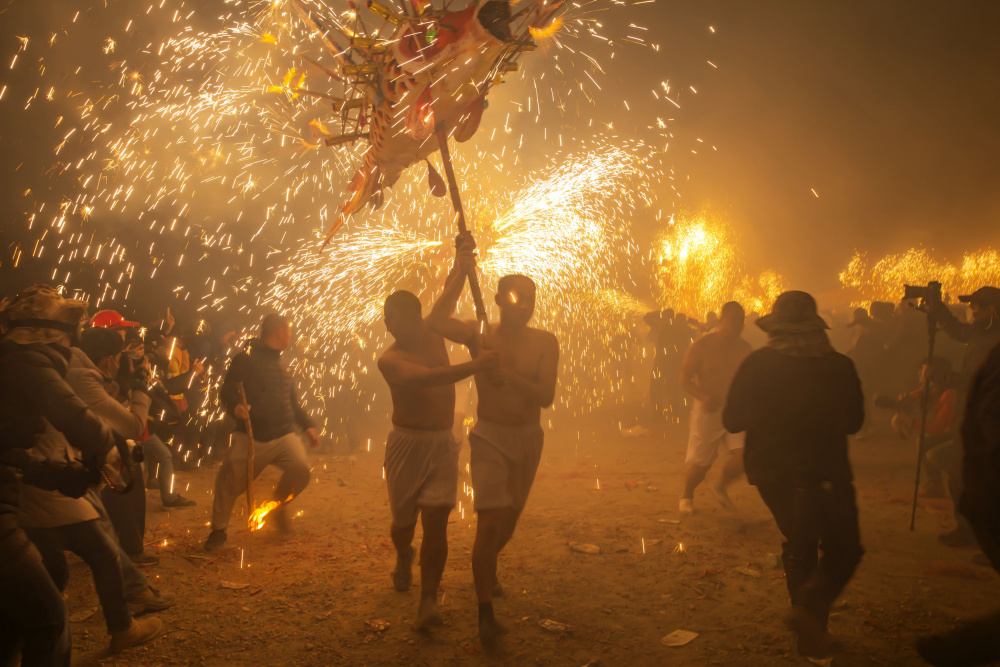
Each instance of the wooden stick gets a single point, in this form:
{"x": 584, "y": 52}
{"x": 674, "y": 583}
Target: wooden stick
{"x": 243, "y": 402}
{"x": 456, "y": 202}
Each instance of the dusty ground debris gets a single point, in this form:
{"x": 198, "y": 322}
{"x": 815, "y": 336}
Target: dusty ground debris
{"x": 324, "y": 594}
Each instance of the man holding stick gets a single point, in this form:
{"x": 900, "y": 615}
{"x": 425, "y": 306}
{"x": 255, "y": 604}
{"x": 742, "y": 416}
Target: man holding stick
{"x": 272, "y": 408}
{"x": 421, "y": 454}
{"x": 506, "y": 441}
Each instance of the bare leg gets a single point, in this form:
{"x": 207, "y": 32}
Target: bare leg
{"x": 732, "y": 470}
{"x": 402, "y": 539}
{"x": 695, "y": 476}
{"x": 490, "y": 530}
{"x": 433, "y": 555}
{"x": 506, "y": 532}
{"x": 507, "y": 528}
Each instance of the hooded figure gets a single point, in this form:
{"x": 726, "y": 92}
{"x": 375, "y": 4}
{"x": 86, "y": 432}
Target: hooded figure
{"x": 798, "y": 399}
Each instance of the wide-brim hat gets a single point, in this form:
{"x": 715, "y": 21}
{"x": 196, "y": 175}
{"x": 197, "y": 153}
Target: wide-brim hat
{"x": 793, "y": 312}
{"x": 40, "y": 314}
{"x": 987, "y": 296}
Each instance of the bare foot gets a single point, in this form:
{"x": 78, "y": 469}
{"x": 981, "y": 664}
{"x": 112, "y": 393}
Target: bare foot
{"x": 722, "y": 495}
{"x": 428, "y": 614}
{"x": 402, "y": 576}
{"x": 489, "y": 633}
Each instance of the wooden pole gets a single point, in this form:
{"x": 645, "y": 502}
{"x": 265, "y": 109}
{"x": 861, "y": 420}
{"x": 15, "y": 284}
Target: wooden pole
{"x": 456, "y": 202}
{"x": 243, "y": 402}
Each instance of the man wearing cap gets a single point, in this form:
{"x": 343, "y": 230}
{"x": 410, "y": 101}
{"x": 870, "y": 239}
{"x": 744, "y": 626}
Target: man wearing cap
{"x": 798, "y": 399}
{"x": 980, "y": 335}
{"x": 34, "y": 396}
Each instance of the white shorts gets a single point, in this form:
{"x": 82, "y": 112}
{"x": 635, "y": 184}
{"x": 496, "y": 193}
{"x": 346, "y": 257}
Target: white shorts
{"x": 707, "y": 435}
{"x": 421, "y": 470}
{"x": 503, "y": 463}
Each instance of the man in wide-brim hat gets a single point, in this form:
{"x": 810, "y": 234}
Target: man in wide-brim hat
{"x": 798, "y": 399}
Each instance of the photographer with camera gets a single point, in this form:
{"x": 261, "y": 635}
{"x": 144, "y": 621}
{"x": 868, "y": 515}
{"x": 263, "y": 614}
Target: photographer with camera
{"x": 980, "y": 336}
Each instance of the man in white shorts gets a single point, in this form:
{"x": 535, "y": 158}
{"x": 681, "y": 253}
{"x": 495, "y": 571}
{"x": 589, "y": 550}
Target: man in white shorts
{"x": 421, "y": 453}
{"x": 706, "y": 373}
{"x": 506, "y": 442}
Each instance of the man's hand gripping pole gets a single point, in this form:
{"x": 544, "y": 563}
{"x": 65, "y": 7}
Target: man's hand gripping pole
{"x": 456, "y": 201}
{"x": 243, "y": 402}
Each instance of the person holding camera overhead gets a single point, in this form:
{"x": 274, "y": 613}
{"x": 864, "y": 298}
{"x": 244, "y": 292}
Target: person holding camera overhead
{"x": 980, "y": 335}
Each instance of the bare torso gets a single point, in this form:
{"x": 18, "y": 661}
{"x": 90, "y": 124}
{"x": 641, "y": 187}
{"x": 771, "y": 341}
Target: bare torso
{"x": 520, "y": 352}
{"x": 423, "y": 408}
{"x": 716, "y": 360}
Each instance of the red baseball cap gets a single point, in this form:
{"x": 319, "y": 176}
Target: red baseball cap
{"x": 111, "y": 319}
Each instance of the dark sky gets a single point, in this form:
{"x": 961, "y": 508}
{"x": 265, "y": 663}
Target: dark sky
{"x": 888, "y": 109}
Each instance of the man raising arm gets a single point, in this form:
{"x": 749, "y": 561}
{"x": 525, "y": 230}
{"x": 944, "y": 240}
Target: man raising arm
{"x": 421, "y": 454}
{"x": 506, "y": 442}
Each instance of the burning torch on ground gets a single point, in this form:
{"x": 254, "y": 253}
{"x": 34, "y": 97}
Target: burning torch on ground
{"x": 255, "y": 517}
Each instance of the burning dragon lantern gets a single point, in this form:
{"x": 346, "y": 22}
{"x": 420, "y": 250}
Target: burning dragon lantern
{"x": 428, "y": 82}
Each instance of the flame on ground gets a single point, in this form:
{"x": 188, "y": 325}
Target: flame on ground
{"x": 256, "y": 520}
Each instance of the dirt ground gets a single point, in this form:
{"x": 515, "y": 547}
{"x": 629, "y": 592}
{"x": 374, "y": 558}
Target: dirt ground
{"x": 320, "y": 596}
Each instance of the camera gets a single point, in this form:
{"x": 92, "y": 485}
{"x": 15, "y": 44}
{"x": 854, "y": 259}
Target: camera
{"x": 931, "y": 294}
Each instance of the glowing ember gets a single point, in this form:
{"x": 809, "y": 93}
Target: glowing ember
{"x": 700, "y": 267}
{"x": 256, "y": 520}
{"x": 866, "y": 280}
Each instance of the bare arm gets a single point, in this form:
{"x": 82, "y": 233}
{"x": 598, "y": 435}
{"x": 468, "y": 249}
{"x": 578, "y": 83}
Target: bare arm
{"x": 541, "y": 392}
{"x": 738, "y": 413}
{"x": 689, "y": 368}
{"x": 402, "y": 373}
{"x": 442, "y": 320}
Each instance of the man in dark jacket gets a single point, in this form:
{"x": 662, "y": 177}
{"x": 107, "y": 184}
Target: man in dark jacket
{"x": 33, "y": 360}
{"x": 977, "y": 642}
{"x": 273, "y": 412}
{"x": 798, "y": 400}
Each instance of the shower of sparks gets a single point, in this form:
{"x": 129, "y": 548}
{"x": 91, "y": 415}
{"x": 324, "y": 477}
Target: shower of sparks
{"x": 568, "y": 229}
{"x": 338, "y": 293}
{"x": 700, "y": 266}
{"x": 195, "y": 159}
{"x": 244, "y": 122}
{"x": 866, "y": 280}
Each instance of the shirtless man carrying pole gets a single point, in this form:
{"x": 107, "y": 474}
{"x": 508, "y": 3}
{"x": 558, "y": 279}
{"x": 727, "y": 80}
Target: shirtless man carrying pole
{"x": 421, "y": 454}
{"x": 506, "y": 441}
{"x": 706, "y": 373}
